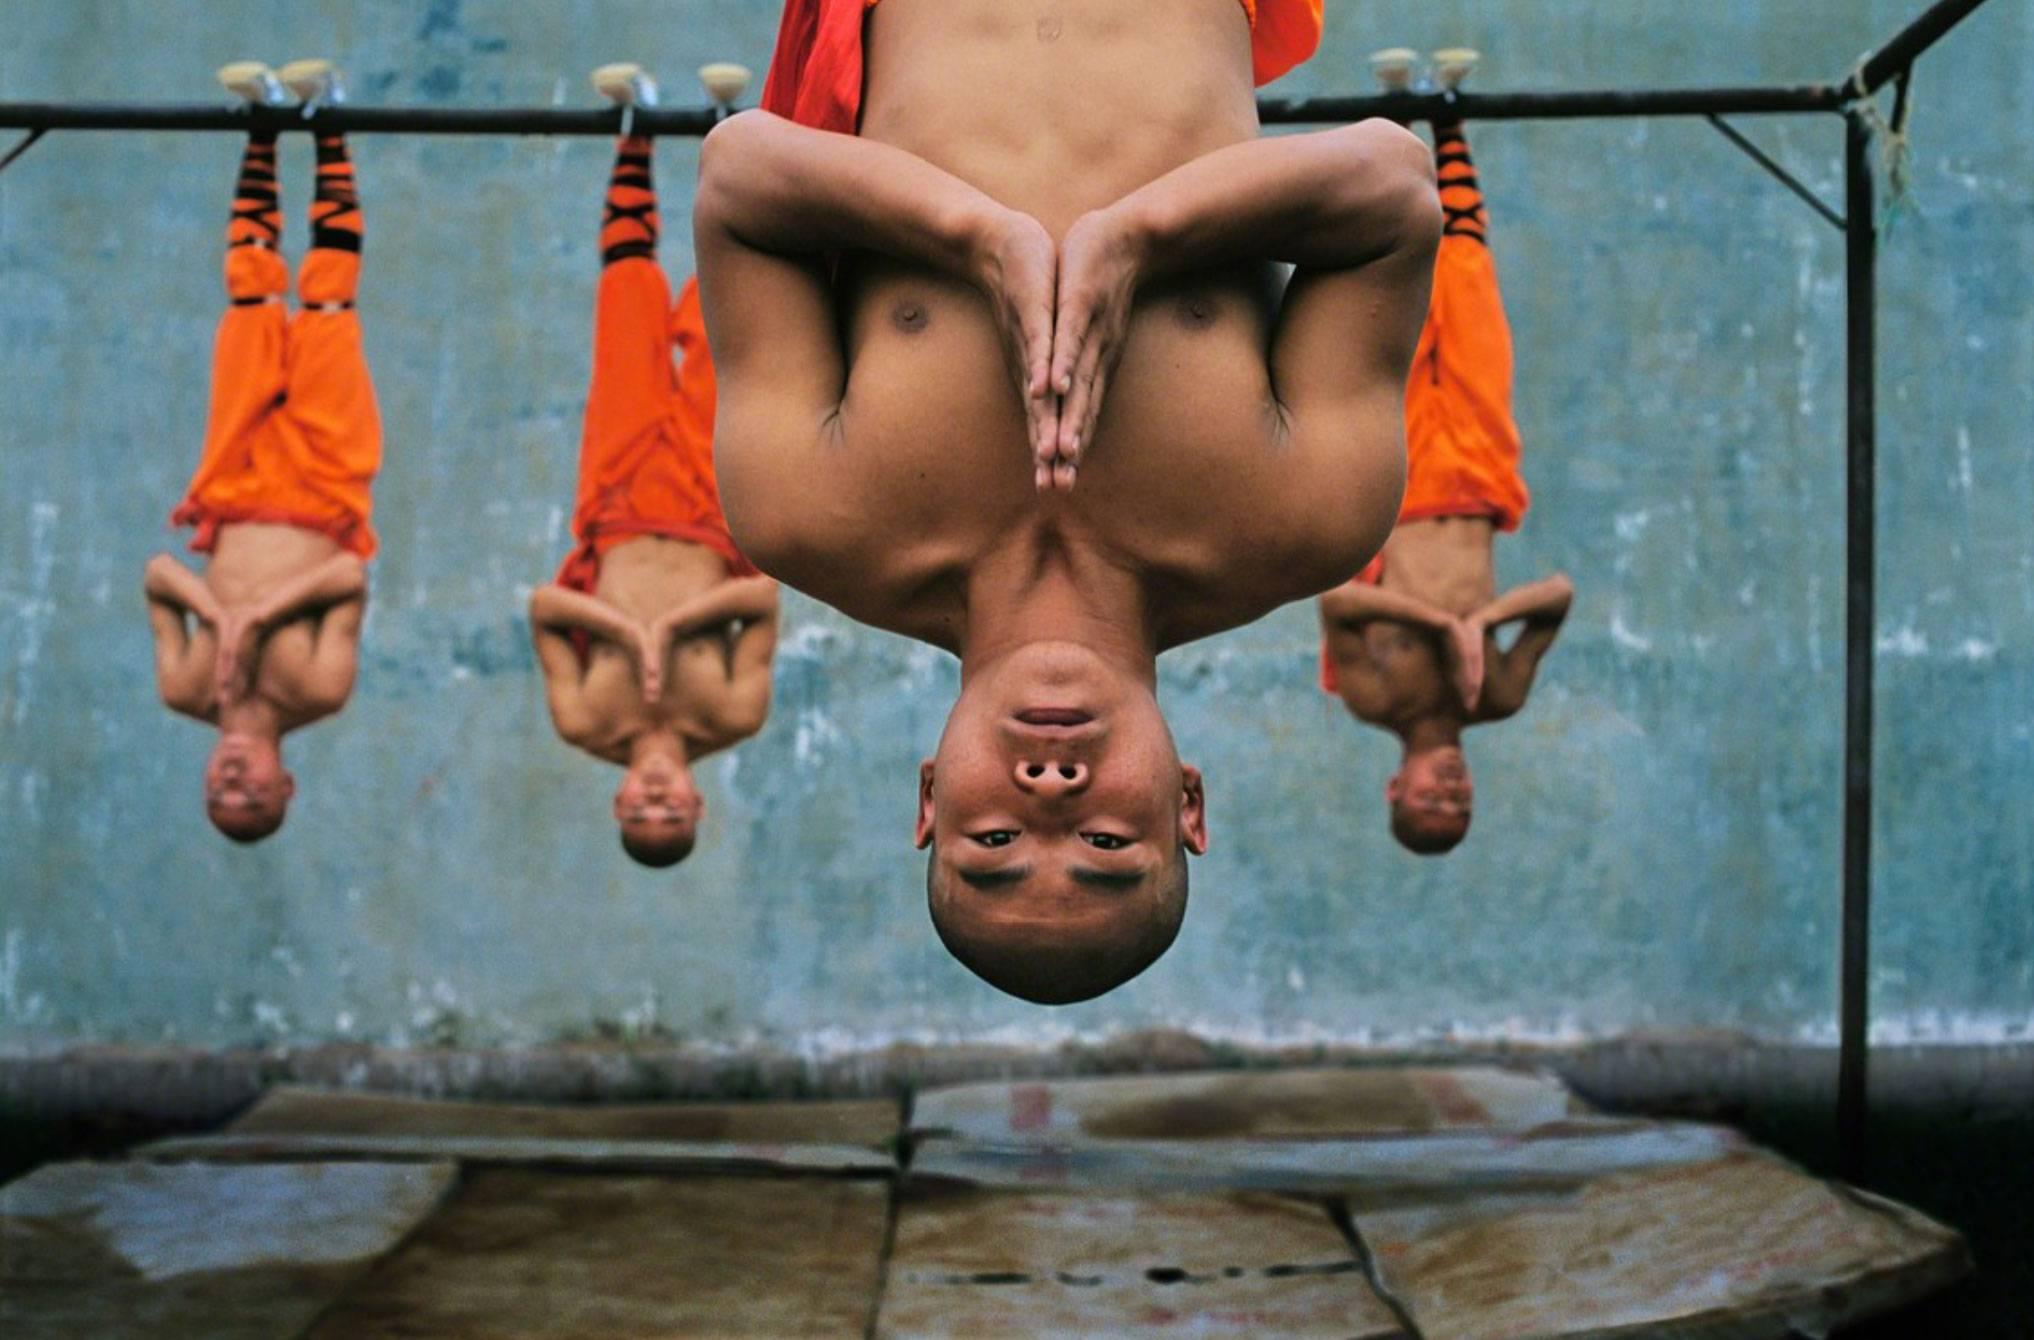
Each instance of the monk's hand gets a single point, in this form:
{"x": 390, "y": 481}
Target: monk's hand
{"x": 239, "y": 634}
{"x": 1465, "y": 645}
{"x": 1014, "y": 265}
{"x": 1099, "y": 262}
{"x": 652, "y": 645}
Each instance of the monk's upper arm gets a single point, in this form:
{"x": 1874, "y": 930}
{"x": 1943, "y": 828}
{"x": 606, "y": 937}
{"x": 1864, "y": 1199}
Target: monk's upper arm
{"x": 748, "y": 705}
{"x": 183, "y": 660}
{"x": 335, "y": 656}
{"x": 1509, "y": 679}
{"x": 1346, "y": 334}
{"x": 768, "y": 303}
{"x": 564, "y": 682}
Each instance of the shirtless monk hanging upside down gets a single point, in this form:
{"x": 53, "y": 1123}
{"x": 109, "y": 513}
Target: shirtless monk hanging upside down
{"x": 1053, "y": 412}
{"x": 1410, "y": 645}
{"x": 657, "y": 637}
{"x": 266, "y": 640}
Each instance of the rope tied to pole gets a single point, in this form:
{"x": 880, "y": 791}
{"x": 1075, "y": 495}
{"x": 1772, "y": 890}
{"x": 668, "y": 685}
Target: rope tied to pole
{"x": 1895, "y": 144}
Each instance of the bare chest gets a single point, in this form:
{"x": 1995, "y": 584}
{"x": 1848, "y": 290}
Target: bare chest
{"x": 694, "y": 703}
{"x": 931, "y": 449}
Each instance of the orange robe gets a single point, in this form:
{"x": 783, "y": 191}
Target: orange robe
{"x": 815, "y": 76}
{"x": 646, "y": 453}
{"x": 293, "y": 435}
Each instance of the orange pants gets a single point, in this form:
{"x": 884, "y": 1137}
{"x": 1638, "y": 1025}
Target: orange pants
{"x": 646, "y": 455}
{"x": 815, "y": 76}
{"x": 1462, "y": 444}
{"x": 293, "y": 435}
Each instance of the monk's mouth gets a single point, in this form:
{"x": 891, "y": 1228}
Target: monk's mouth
{"x": 1054, "y": 716}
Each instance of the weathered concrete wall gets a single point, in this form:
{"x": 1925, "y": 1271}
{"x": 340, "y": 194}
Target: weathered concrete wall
{"x": 1658, "y": 838}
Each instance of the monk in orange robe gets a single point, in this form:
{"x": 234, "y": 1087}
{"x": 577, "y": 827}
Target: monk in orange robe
{"x": 657, "y": 636}
{"x": 1410, "y": 644}
{"x": 265, "y": 641}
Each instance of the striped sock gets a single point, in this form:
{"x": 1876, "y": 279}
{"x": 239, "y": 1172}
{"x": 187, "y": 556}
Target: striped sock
{"x": 336, "y": 221}
{"x": 1461, "y": 196}
{"x": 256, "y": 220}
{"x": 629, "y": 226}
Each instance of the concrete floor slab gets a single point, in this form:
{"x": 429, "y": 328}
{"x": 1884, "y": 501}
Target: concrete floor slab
{"x": 1744, "y": 1246}
{"x": 114, "y": 1251}
{"x": 525, "y": 1255}
{"x": 981, "y": 1264}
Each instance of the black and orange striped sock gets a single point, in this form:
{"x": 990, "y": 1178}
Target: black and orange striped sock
{"x": 336, "y": 221}
{"x": 256, "y": 220}
{"x": 629, "y": 226}
{"x": 1461, "y": 195}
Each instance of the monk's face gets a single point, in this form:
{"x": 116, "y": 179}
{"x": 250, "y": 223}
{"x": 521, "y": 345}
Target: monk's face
{"x": 247, "y": 789}
{"x": 1431, "y": 799}
{"x": 1057, "y": 810}
{"x": 658, "y": 808}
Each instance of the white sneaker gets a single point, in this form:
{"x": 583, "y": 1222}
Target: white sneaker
{"x": 252, "y": 82}
{"x": 1453, "y": 64}
{"x": 725, "y": 81}
{"x": 626, "y": 84}
{"x": 1393, "y": 67}
{"x": 316, "y": 83}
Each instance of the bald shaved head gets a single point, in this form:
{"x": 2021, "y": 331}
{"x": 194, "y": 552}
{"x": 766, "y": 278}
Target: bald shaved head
{"x": 1057, "y": 937}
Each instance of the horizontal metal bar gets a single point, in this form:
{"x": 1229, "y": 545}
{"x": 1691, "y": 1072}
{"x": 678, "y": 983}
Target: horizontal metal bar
{"x": 699, "y": 120}
{"x": 351, "y": 119}
{"x": 1581, "y": 103}
{"x": 1899, "y": 53}
{"x": 1780, "y": 174}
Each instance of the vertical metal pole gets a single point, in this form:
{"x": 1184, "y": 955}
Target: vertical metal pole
{"x": 1860, "y": 270}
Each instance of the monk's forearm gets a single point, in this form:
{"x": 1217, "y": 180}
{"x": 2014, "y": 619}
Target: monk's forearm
{"x": 338, "y": 579}
{"x": 1355, "y": 603}
{"x": 746, "y": 600}
{"x": 558, "y": 609}
{"x": 1545, "y": 602}
{"x": 1333, "y": 200}
{"x": 167, "y": 582}
{"x": 779, "y": 187}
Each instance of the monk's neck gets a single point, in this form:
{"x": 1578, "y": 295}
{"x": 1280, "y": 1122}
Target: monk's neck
{"x": 1014, "y": 601}
{"x": 658, "y": 742}
{"x": 252, "y": 715}
{"x": 1435, "y": 731}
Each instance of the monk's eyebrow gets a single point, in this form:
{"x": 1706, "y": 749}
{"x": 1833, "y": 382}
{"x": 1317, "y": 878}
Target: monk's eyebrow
{"x": 1002, "y": 877}
{"x": 1109, "y": 879}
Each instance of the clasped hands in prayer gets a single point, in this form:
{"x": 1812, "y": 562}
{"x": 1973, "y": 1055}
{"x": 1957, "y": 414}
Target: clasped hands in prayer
{"x": 1062, "y": 311}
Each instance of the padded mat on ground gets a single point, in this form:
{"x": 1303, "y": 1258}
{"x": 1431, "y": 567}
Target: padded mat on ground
{"x": 293, "y": 1122}
{"x": 992, "y": 1263}
{"x": 114, "y": 1251}
{"x": 523, "y": 1255}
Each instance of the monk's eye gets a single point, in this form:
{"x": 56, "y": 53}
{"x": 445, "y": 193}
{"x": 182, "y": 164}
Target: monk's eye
{"x": 995, "y": 837}
{"x": 1105, "y": 841}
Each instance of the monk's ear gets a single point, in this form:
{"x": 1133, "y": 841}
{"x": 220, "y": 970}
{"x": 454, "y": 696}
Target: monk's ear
{"x": 1193, "y": 811}
{"x": 1394, "y": 787}
{"x": 923, "y": 832}
{"x": 289, "y": 786}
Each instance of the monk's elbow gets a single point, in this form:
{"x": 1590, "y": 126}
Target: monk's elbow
{"x": 1389, "y": 174}
{"x": 731, "y": 156}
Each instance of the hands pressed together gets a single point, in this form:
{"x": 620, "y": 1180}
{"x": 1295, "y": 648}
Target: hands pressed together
{"x": 1062, "y": 311}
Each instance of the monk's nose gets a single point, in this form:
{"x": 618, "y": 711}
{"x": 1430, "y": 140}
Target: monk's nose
{"x": 1051, "y": 778}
